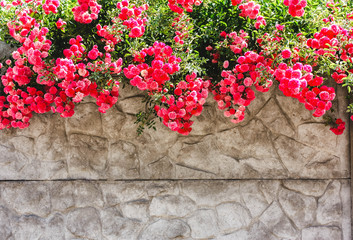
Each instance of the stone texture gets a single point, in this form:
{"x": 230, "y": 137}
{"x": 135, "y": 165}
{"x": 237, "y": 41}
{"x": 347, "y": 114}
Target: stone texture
{"x": 171, "y": 206}
{"x": 321, "y": 233}
{"x": 278, "y": 223}
{"x": 310, "y": 188}
{"x": 207, "y": 209}
{"x": 274, "y": 118}
{"x": 298, "y": 171}
{"x": 166, "y": 229}
{"x": 279, "y": 139}
{"x": 232, "y": 216}
{"x": 84, "y": 223}
{"x": 5, "y": 51}
{"x": 27, "y": 198}
{"x": 203, "y": 224}
{"x": 117, "y": 227}
{"x": 300, "y": 208}
{"x": 330, "y": 205}
{"x": 124, "y": 160}
{"x": 88, "y": 156}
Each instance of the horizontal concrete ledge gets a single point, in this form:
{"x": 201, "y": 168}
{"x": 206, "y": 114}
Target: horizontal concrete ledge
{"x": 172, "y": 180}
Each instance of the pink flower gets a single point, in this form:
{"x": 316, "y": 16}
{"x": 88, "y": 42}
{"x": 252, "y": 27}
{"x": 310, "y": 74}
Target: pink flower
{"x": 286, "y": 53}
{"x": 209, "y": 48}
{"x": 279, "y": 27}
{"x": 340, "y": 127}
{"x": 93, "y": 54}
{"x": 60, "y": 23}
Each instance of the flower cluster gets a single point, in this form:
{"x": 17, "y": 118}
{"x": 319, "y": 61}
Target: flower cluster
{"x": 60, "y": 24}
{"x": 296, "y": 7}
{"x": 334, "y": 41}
{"x": 178, "y": 6}
{"x": 40, "y": 78}
{"x": 237, "y": 42}
{"x": 236, "y": 2}
{"x": 340, "y": 126}
{"x": 153, "y": 78}
{"x": 86, "y": 11}
{"x": 51, "y": 6}
{"x": 250, "y": 10}
{"x": 181, "y": 28}
{"x": 111, "y": 36}
{"x": 186, "y": 100}
{"x": 233, "y": 93}
{"x": 298, "y": 82}
{"x": 132, "y": 18}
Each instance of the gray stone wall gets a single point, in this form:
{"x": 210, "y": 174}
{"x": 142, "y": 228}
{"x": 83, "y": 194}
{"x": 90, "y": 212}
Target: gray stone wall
{"x": 280, "y": 174}
{"x": 207, "y": 209}
{"x": 278, "y": 140}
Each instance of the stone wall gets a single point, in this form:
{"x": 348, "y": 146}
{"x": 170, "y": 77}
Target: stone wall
{"x": 208, "y": 209}
{"x": 281, "y": 174}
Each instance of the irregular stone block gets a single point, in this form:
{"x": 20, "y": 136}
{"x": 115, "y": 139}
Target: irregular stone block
{"x": 201, "y": 160}
{"x": 157, "y": 188}
{"x": 137, "y": 209}
{"x": 279, "y": 224}
{"x": 123, "y": 161}
{"x": 62, "y": 196}
{"x": 54, "y": 159}
{"x": 28, "y": 227}
{"x": 171, "y": 206}
{"x": 131, "y": 105}
{"x": 255, "y": 202}
{"x": 26, "y": 198}
{"x": 203, "y": 224}
{"x": 55, "y": 228}
{"x": 88, "y": 156}
{"x": 321, "y": 233}
{"x": 114, "y": 194}
{"x": 166, "y": 229}
{"x": 161, "y": 168}
{"x": 12, "y": 162}
{"x": 115, "y": 226}
{"x": 330, "y": 205}
{"x": 295, "y": 110}
{"x": 208, "y": 194}
{"x": 232, "y": 216}
{"x": 201, "y": 125}
{"x": 238, "y": 235}
{"x": 87, "y": 194}
{"x": 299, "y": 208}
{"x": 259, "y": 231}
{"x": 304, "y": 161}
{"x": 24, "y": 145}
{"x": 86, "y": 120}
{"x": 85, "y": 223}
{"x": 6, "y": 218}
{"x": 112, "y": 122}
{"x": 310, "y": 188}
{"x": 275, "y": 119}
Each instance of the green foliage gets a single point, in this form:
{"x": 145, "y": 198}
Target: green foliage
{"x": 146, "y": 118}
{"x": 203, "y": 25}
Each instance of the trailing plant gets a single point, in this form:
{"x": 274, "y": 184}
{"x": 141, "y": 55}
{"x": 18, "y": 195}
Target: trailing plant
{"x": 177, "y": 52}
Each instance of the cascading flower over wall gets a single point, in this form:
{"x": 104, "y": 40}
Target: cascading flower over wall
{"x": 177, "y": 52}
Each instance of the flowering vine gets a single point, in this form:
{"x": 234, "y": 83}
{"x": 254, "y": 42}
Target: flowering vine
{"x": 175, "y": 51}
